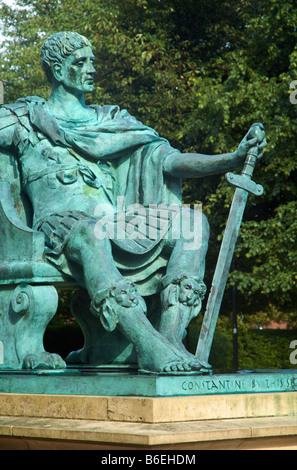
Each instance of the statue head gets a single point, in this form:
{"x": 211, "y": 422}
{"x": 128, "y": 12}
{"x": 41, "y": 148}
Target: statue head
{"x": 58, "y": 47}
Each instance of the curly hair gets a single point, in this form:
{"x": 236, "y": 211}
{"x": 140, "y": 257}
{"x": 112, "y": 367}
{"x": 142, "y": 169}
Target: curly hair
{"x": 59, "y": 46}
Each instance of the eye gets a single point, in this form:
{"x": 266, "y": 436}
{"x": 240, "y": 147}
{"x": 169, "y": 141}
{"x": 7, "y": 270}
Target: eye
{"x": 80, "y": 62}
{"x": 188, "y": 287}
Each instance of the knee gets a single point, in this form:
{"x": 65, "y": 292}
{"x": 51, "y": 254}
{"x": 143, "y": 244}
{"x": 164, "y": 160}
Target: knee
{"x": 195, "y": 223}
{"x": 84, "y": 234}
{"x": 84, "y": 239}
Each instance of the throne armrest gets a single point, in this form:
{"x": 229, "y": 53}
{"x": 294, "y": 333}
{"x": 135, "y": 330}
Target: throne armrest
{"x": 18, "y": 241}
{"x": 22, "y": 249}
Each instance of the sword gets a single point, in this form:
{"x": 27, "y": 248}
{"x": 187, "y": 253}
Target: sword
{"x": 244, "y": 185}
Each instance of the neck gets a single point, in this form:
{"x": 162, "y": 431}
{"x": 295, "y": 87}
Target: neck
{"x": 66, "y": 103}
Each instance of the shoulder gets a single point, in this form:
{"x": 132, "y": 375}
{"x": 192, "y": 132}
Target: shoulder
{"x": 8, "y": 125}
{"x": 7, "y": 117}
{"x": 10, "y": 113}
{"x": 15, "y": 127}
{"x": 20, "y": 107}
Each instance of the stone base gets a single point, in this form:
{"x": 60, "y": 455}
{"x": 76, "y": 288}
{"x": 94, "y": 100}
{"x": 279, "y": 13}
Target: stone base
{"x": 152, "y": 424}
{"x": 64, "y": 434}
{"x": 147, "y": 410}
{"x": 102, "y": 381}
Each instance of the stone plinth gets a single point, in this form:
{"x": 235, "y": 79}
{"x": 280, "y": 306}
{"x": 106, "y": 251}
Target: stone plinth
{"x": 60, "y": 420}
{"x": 127, "y": 382}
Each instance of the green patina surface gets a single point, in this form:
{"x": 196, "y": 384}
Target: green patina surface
{"x": 64, "y": 166}
{"x": 129, "y": 383}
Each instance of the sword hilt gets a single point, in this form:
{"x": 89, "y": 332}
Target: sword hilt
{"x": 243, "y": 181}
{"x": 257, "y": 130}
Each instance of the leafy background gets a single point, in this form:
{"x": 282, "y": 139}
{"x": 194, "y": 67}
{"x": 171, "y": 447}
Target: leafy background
{"x": 200, "y": 73}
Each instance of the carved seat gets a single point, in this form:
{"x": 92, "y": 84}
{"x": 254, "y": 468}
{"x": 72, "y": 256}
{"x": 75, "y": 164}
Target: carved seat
{"x": 22, "y": 249}
{"x": 29, "y": 288}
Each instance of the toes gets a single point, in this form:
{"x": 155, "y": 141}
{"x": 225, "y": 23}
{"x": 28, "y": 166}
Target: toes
{"x": 167, "y": 369}
{"x": 177, "y": 367}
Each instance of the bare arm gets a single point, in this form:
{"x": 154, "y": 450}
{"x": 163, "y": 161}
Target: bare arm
{"x": 196, "y": 165}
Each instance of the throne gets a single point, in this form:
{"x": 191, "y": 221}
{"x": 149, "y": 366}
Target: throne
{"x": 29, "y": 287}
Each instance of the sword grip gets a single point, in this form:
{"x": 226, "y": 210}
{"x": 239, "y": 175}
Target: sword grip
{"x": 251, "y": 159}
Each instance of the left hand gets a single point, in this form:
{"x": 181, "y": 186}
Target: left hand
{"x": 259, "y": 141}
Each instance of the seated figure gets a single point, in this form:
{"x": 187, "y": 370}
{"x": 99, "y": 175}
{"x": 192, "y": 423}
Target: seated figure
{"x": 106, "y": 193}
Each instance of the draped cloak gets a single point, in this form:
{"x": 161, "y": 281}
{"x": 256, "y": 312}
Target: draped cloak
{"x": 134, "y": 154}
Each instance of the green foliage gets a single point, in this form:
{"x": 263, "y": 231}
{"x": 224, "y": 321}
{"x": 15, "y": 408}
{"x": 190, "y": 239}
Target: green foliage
{"x": 201, "y": 73}
{"x": 266, "y": 349}
{"x": 257, "y": 348}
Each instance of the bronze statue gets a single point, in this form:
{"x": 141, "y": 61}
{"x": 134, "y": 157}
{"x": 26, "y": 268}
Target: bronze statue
{"x": 83, "y": 164}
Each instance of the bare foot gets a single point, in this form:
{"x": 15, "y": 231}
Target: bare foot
{"x": 122, "y": 307}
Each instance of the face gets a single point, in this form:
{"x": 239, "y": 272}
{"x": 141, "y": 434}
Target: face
{"x": 77, "y": 71}
{"x": 126, "y": 295}
{"x": 189, "y": 292}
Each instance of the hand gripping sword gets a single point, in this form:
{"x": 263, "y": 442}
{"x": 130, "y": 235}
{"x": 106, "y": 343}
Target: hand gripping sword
{"x": 244, "y": 185}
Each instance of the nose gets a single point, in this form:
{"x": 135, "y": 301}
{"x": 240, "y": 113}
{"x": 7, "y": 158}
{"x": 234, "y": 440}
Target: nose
{"x": 91, "y": 68}
{"x": 189, "y": 295}
{"x": 190, "y": 300}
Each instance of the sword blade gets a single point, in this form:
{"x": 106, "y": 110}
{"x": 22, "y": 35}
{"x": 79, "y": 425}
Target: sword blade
{"x": 221, "y": 274}
{"x": 227, "y": 251}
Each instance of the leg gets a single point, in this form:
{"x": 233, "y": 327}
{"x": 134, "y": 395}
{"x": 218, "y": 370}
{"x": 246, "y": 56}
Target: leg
{"x": 188, "y": 243}
{"x": 101, "y": 276}
{"x": 95, "y": 257}
{"x": 100, "y": 346}
{"x": 183, "y": 289}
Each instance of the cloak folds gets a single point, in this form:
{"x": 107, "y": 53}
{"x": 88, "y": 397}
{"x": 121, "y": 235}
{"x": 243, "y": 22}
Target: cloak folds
{"x": 136, "y": 155}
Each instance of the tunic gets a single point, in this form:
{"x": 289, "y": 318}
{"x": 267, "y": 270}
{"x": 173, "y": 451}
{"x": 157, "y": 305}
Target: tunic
{"x": 74, "y": 170}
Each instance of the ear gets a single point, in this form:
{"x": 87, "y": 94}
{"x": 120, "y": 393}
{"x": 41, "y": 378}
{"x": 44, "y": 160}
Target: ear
{"x": 108, "y": 316}
{"x": 57, "y": 72}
